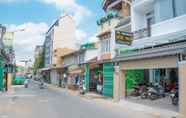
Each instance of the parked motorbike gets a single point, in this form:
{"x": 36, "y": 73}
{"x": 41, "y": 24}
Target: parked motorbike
{"x": 174, "y": 97}
{"x": 41, "y": 85}
{"x": 144, "y": 94}
{"x": 138, "y": 90}
{"x": 156, "y": 92}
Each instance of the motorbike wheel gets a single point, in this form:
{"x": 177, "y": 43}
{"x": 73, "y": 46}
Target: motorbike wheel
{"x": 143, "y": 96}
{"x": 175, "y": 101}
{"x": 153, "y": 97}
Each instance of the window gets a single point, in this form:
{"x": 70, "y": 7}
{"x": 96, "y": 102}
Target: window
{"x": 150, "y": 17}
{"x": 105, "y": 45}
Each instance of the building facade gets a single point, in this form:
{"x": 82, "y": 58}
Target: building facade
{"x": 58, "y": 38}
{"x": 157, "y": 49}
{"x": 6, "y": 59}
{"x": 38, "y": 51}
{"x": 75, "y": 64}
{"x": 114, "y": 32}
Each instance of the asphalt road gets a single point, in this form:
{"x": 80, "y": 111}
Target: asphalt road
{"x": 36, "y": 103}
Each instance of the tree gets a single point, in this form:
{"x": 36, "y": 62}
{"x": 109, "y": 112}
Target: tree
{"x": 39, "y": 62}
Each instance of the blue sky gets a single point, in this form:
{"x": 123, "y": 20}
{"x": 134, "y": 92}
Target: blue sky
{"x": 17, "y": 12}
{"x": 37, "y": 15}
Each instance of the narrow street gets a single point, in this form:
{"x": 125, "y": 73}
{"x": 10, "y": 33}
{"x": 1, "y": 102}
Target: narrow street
{"x": 36, "y": 103}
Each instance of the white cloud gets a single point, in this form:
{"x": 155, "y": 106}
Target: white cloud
{"x": 25, "y": 41}
{"x": 93, "y": 38}
{"x": 71, "y": 7}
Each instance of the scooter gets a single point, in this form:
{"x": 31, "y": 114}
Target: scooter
{"x": 156, "y": 92}
{"x": 174, "y": 97}
{"x": 41, "y": 86}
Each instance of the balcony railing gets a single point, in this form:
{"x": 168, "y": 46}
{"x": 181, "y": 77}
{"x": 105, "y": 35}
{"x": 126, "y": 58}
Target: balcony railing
{"x": 106, "y": 3}
{"x": 124, "y": 21}
{"x": 142, "y": 33}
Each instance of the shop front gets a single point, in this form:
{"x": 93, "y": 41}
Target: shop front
{"x": 151, "y": 81}
{"x": 74, "y": 74}
{"x": 93, "y": 78}
{"x": 150, "y": 76}
{"x": 99, "y": 78}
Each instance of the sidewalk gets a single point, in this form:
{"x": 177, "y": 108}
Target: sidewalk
{"x": 123, "y": 106}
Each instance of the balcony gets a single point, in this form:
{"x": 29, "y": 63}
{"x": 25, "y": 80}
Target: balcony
{"x": 142, "y": 5}
{"x": 124, "y": 24}
{"x": 108, "y": 22}
{"x": 142, "y": 33}
{"x": 106, "y": 3}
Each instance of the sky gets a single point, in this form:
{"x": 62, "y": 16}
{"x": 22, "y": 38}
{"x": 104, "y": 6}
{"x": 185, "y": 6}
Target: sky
{"x": 36, "y": 16}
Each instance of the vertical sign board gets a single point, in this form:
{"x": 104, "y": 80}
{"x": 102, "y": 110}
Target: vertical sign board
{"x": 182, "y": 89}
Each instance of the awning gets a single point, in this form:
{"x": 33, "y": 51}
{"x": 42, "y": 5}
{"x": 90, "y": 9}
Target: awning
{"x": 77, "y": 71}
{"x": 161, "y": 51}
{"x": 44, "y": 69}
{"x": 165, "y": 56}
{"x": 158, "y": 62}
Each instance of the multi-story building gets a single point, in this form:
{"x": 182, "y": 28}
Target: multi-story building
{"x": 153, "y": 18}
{"x": 158, "y": 47}
{"x": 113, "y": 32}
{"x": 74, "y": 63}
{"x": 58, "y": 37}
{"x": 114, "y": 28}
{"x": 60, "y": 40}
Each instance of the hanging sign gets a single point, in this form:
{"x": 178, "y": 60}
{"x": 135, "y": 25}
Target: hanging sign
{"x": 123, "y": 37}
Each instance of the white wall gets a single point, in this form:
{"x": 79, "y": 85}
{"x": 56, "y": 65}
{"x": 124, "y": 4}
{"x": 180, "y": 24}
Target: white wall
{"x": 90, "y": 53}
{"x": 138, "y": 20}
{"x": 169, "y": 26}
{"x": 107, "y": 27}
{"x": 64, "y": 34}
{"x": 54, "y": 77}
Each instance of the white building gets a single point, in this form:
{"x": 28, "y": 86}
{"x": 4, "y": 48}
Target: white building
{"x": 115, "y": 22}
{"x": 157, "y": 21}
{"x": 159, "y": 30}
{"x": 60, "y": 40}
{"x": 60, "y": 36}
